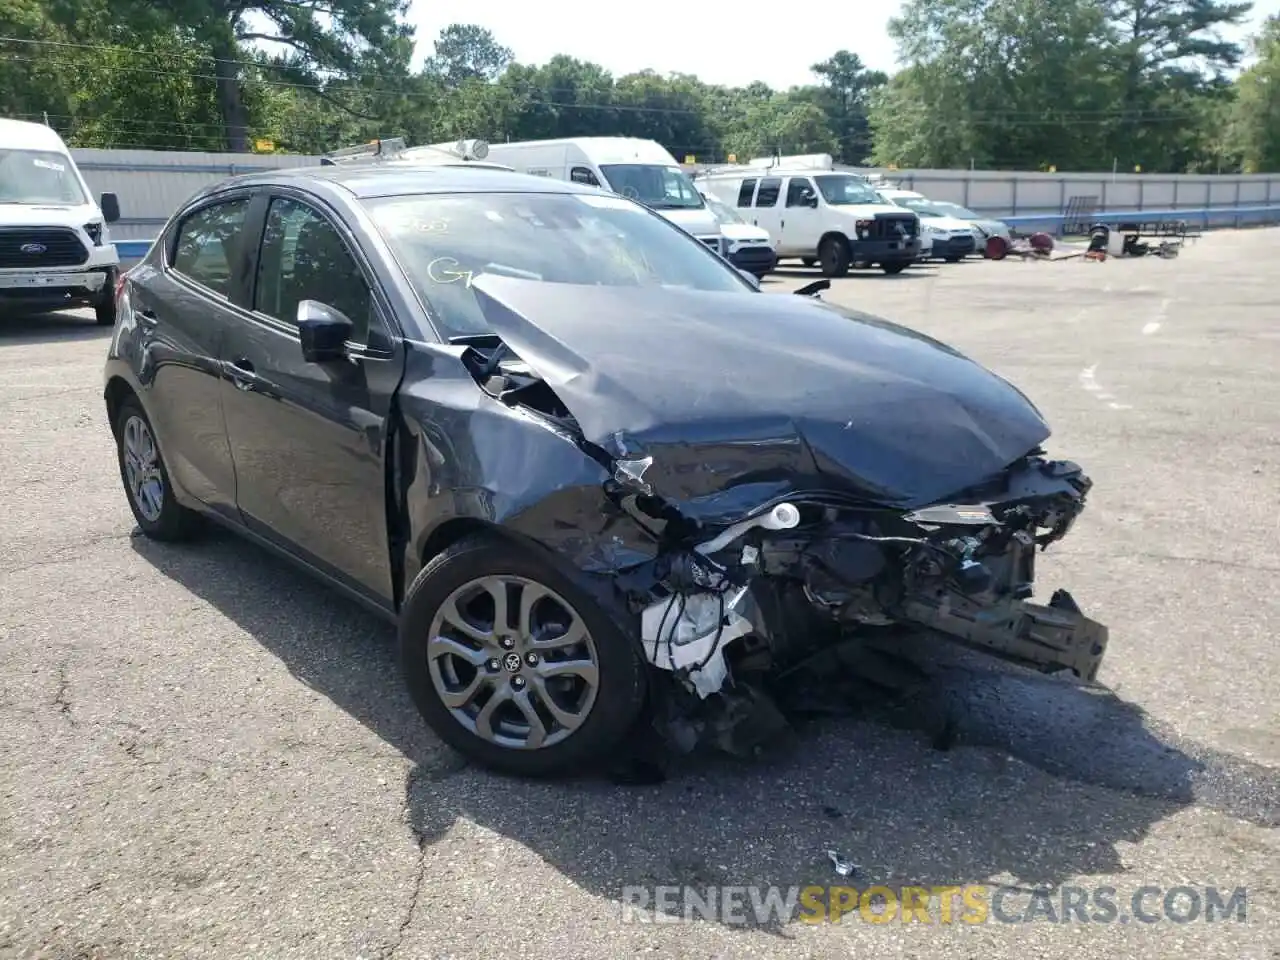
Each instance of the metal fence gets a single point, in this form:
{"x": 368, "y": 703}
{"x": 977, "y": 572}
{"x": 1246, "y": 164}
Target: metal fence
{"x": 152, "y": 183}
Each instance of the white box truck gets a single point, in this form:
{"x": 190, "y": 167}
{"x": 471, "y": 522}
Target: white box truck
{"x": 55, "y": 251}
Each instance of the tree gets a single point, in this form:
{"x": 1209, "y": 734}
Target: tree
{"x": 1256, "y": 123}
{"x": 322, "y": 40}
{"x": 464, "y": 52}
{"x": 1170, "y": 53}
{"x": 845, "y": 97}
{"x": 1004, "y": 83}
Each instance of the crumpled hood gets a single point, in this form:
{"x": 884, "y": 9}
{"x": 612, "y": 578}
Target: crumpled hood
{"x": 769, "y": 392}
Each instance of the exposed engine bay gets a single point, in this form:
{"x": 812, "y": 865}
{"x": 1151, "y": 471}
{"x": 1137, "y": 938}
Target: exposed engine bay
{"x": 725, "y": 604}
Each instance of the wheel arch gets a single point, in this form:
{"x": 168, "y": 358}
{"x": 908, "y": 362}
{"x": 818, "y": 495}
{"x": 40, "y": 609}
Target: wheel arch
{"x": 117, "y": 391}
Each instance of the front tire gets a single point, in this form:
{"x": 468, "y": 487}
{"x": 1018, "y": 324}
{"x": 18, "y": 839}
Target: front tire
{"x": 834, "y": 257}
{"x": 514, "y": 664}
{"x": 104, "y": 310}
{"x": 146, "y": 479}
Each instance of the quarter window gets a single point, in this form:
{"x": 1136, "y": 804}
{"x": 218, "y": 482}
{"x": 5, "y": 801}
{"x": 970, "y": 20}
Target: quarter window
{"x": 208, "y": 244}
{"x": 304, "y": 258}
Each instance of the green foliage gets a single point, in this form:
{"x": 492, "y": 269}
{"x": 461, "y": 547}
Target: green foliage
{"x": 1025, "y": 84}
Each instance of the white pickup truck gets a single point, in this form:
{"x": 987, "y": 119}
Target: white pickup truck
{"x": 55, "y": 251}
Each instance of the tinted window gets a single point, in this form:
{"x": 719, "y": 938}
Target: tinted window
{"x": 304, "y": 258}
{"x": 770, "y": 187}
{"x": 798, "y": 188}
{"x": 444, "y": 242}
{"x": 208, "y": 242}
{"x": 746, "y": 192}
{"x": 583, "y": 175}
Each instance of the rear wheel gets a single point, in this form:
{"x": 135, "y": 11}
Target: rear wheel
{"x": 893, "y": 268}
{"x": 515, "y": 665}
{"x": 146, "y": 481}
{"x": 834, "y": 256}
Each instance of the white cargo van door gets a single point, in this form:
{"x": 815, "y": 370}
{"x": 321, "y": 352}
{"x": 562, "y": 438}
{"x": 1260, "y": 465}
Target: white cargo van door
{"x": 801, "y": 222}
{"x": 767, "y": 211}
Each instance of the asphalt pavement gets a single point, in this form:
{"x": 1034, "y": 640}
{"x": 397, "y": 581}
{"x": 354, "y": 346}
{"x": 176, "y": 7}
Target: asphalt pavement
{"x": 208, "y": 756}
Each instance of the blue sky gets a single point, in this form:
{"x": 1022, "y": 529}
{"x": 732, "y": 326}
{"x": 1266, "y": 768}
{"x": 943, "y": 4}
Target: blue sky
{"x": 720, "y": 42}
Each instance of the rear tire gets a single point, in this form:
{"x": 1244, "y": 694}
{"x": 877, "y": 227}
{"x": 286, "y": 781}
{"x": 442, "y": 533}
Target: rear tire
{"x": 894, "y": 268}
{"x": 579, "y": 727}
{"x": 146, "y": 479}
{"x": 834, "y": 257}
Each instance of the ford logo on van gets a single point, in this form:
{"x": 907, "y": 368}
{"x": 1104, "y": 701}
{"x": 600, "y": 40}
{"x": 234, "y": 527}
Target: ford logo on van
{"x": 33, "y": 248}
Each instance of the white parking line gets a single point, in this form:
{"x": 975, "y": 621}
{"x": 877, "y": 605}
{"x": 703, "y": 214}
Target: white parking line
{"x": 1089, "y": 382}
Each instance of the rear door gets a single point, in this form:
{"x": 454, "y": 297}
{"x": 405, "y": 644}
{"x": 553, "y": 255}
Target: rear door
{"x": 767, "y": 210}
{"x": 309, "y": 440}
{"x": 183, "y": 305}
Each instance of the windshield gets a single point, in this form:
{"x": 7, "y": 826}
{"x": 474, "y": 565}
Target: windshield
{"x": 840, "y": 189}
{"x": 723, "y": 213}
{"x": 38, "y": 176}
{"x": 947, "y": 209}
{"x": 444, "y": 242}
{"x": 656, "y": 186}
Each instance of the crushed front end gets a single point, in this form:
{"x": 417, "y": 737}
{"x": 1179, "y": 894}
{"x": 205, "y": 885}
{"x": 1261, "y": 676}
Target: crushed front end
{"x": 813, "y": 570}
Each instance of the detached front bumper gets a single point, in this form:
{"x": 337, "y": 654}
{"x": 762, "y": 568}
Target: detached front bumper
{"x": 53, "y": 289}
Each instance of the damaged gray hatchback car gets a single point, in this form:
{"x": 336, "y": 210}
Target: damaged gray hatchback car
{"x": 594, "y": 474}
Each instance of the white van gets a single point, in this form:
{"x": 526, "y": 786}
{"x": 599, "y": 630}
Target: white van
{"x": 55, "y": 251}
{"x": 750, "y": 247}
{"x": 639, "y": 169}
{"x": 945, "y": 237}
{"x": 818, "y": 214}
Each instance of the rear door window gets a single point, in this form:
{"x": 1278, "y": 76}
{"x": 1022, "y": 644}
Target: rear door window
{"x": 770, "y": 188}
{"x": 207, "y": 246}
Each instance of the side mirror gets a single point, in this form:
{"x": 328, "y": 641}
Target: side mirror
{"x": 109, "y": 204}
{"x": 324, "y": 332}
{"x": 751, "y": 278}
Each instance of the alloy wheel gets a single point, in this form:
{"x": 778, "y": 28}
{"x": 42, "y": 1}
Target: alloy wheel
{"x": 513, "y": 662}
{"x": 142, "y": 468}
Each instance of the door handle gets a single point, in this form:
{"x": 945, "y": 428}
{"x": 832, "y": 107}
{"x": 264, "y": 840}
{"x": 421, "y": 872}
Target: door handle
{"x": 241, "y": 372}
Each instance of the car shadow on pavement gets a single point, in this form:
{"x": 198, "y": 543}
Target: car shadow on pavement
{"x": 35, "y": 328}
{"x": 983, "y": 775}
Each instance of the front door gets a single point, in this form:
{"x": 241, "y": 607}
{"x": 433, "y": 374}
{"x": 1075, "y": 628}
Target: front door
{"x": 801, "y": 222}
{"x": 309, "y": 440}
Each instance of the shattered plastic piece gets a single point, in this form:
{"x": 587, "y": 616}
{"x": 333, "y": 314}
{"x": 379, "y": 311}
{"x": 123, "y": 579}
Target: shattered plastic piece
{"x": 686, "y": 632}
{"x": 846, "y": 868}
{"x": 631, "y": 472}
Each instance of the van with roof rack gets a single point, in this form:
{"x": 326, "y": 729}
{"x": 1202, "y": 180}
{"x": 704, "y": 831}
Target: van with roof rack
{"x": 641, "y": 170}
{"x": 55, "y": 249}
{"x": 818, "y": 214}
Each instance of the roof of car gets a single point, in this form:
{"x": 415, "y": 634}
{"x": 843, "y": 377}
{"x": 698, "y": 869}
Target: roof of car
{"x": 400, "y": 177}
